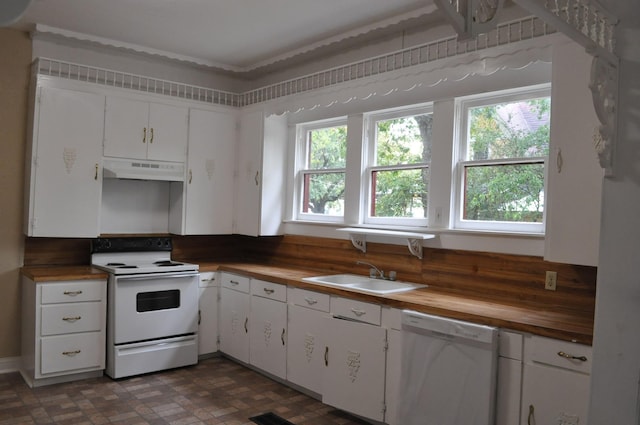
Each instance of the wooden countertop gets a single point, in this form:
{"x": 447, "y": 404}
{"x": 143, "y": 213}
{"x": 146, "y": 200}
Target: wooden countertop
{"x": 560, "y": 324}
{"x": 61, "y": 273}
{"x": 565, "y": 325}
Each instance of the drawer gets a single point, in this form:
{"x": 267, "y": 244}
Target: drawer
{"x": 234, "y": 281}
{"x": 564, "y": 354}
{"x": 356, "y": 310}
{"x": 66, "y": 353}
{"x": 208, "y": 279}
{"x": 310, "y": 299}
{"x": 74, "y": 291}
{"x": 274, "y": 291}
{"x": 56, "y": 319}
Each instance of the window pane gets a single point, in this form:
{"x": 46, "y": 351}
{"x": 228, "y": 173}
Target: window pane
{"x": 405, "y": 140}
{"x": 399, "y": 193}
{"x": 509, "y": 130}
{"x": 323, "y": 193}
{"x": 327, "y": 148}
{"x": 512, "y": 193}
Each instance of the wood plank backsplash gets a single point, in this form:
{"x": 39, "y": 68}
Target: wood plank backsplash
{"x": 505, "y": 278}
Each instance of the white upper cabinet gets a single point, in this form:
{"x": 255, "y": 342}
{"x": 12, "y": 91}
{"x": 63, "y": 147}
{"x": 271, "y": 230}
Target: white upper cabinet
{"x": 138, "y": 129}
{"x": 574, "y": 186}
{"x": 261, "y": 184}
{"x": 63, "y": 169}
{"x": 208, "y": 189}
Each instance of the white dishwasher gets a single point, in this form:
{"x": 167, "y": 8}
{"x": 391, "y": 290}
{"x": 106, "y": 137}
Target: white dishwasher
{"x": 448, "y": 372}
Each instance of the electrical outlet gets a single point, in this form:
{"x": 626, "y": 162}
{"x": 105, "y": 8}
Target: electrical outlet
{"x": 550, "y": 280}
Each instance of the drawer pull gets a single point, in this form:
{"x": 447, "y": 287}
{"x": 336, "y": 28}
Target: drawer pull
{"x": 282, "y": 336}
{"x": 72, "y": 319}
{"x": 358, "y": 312}
{"x": 246, "y": 322}
{"x": 71, "y": 353}
{"x": 310, "y": 301}
{"x": 72, "y": 293}
{"x": 268, "y": 291}
{"x": 326, "y": 356}
{"x": 531, "y": 416}
{"x": 570, "y": 357}
{"x": 233, "y": 282}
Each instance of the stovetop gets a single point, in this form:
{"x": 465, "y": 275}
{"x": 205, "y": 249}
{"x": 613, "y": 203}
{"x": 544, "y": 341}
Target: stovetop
{"x": 136, "y": 256}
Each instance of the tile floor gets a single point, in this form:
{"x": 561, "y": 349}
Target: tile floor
{"x": 217, "y": 391}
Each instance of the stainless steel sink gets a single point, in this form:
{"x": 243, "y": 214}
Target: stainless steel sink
{"x": 364, "y": 283}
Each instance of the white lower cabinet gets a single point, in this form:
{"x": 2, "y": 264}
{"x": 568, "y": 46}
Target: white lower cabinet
{"x": 208, "y": 313}
{"x": 63, "y": 330}
{"x": 268, "y": 332}
{"x": 306, "y": 342}
{"x": 355, "y": 356}
{"x": 235, "y": 304}
{"x": 509, "y": 388}
{"x": 555, "y": 382}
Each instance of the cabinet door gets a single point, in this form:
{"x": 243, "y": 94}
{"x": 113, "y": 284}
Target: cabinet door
{"x": 553, "y": 396}
{"x": 66, "y": 184}
{"x": 393, "y": 372}
{"x": 262, "y": 156}
{"x": 509, "y": 391}
{"x": 355, "y": 372}
{"x": 268, "y": 336}
{"x": 573, "y": 215}
{"x": 167, "y": 137}
{"x": 234, "y": 324}
{"x": 305, "y": 347}
{"x": 208, "y": 320}
{"x": 126, "y": 133}
{"x": 209, "y": 186}
{"x": 249, "y": 174}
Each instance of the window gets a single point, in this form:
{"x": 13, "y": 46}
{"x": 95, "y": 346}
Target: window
{"x": 322, "y": 151}
{"x": 504, "y": 143}
{"x": 398, "y": 158}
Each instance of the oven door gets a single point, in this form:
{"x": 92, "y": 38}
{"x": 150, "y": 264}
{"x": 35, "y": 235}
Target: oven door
{"x": 151, "y": 306}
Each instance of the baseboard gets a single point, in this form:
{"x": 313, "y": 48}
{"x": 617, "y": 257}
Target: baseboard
{"x": 9, "y": 364}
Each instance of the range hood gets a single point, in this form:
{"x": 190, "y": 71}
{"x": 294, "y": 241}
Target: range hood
{"x": 137, "y": 169}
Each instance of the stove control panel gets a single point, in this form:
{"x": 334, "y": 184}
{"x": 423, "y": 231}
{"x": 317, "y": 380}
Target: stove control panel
{"x": 131, "y": 244}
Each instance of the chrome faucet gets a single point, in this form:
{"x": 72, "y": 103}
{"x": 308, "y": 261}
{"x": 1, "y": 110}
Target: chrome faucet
{"x": 376, "y": 272}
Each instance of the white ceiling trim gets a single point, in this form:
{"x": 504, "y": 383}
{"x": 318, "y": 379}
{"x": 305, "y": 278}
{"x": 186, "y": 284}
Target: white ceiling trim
{"x": 45, "y": 32}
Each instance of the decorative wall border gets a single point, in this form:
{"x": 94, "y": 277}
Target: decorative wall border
{"x": 446, "y": 48}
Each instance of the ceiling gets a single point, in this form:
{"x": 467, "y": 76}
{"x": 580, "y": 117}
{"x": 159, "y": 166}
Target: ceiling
{"x": 232, "y": 35}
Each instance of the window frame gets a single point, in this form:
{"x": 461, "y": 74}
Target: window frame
{"x": 368, "y": 168}
{"x": 462, "y": 106}
{"x": 303, "y": 170}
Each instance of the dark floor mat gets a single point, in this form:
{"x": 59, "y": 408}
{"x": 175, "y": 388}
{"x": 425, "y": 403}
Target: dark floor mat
{"x": 270, "y": 419}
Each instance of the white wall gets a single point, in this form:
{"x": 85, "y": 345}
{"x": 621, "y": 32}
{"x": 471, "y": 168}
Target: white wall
{"x": 615, "y": 389}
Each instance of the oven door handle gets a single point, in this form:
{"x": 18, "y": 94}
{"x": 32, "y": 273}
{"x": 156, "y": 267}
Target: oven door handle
{"x": 155, "y": 276}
